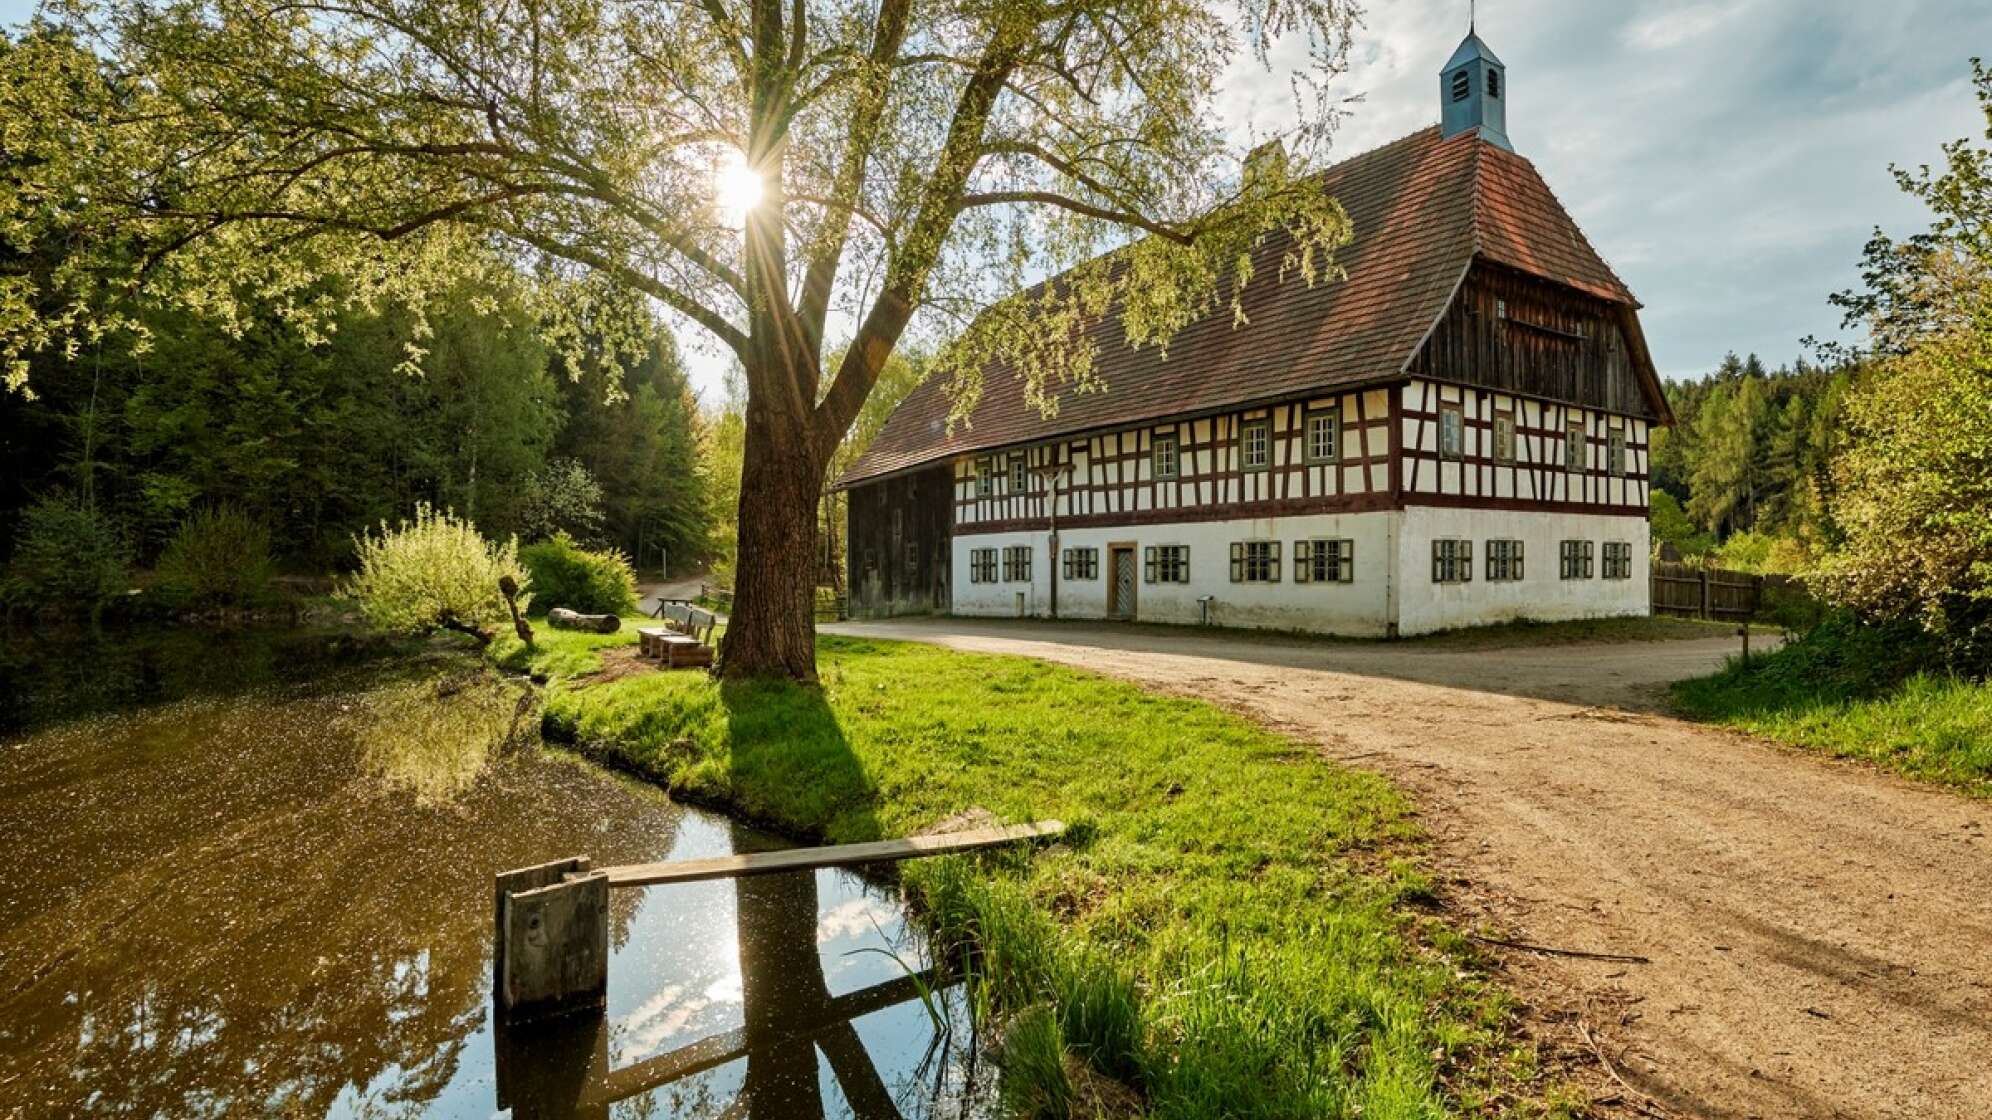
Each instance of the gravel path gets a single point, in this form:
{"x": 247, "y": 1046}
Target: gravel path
{"x": 1819, "y": 935}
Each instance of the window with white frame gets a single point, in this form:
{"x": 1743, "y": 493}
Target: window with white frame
{"x": 982, "y": 565}
{"x": 985, "y": 477}
{"x": 1618, "y": 560}
{"x": 1452, "y": 432}
{"x": 1573, "y": 559}
{"x": 1255, "y": 561}
{"x": 1163, "y": 460}
{"x": 1574, "y": 449}
{"x": 1017, "y": 563}
{"x": 1255, "y": 445}
{"x": 1020, "y": 476}
{"x": 1504, "y": 437}
{"x": 1452, "y": 561}
{"x": 1324, "y": 431}
{"x": 1167, "y": 563}
{"x": 1615, "y": 453}
{"x": 1324, "y": 561}
{"x": 1082, "y": 563}
{"x": 1504, "y": 560}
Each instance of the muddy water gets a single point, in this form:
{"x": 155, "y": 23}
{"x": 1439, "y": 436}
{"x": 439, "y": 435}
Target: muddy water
{"x": 265, "y": 889}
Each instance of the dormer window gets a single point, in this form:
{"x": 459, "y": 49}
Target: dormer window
{"x": 1493, "y": 83}
{"x": 1462, "y": 85}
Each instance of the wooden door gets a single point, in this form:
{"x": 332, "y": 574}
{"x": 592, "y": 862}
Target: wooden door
{"x": 1120, "y": 593}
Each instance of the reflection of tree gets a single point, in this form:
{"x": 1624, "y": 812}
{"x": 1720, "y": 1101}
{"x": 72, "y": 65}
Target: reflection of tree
{"x": 270, "y": 929}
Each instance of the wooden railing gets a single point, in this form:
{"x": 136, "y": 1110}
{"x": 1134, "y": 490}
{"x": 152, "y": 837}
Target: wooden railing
{"x": 551, "y": 947}
{"x": 834, "y": 608}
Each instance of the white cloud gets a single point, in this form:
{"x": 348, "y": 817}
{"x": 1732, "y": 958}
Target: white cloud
{"x": 1677, "y": 25}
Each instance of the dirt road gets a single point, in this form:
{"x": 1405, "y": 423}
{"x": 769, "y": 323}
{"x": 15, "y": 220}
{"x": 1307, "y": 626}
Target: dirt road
{"x": 1820, "y": 936}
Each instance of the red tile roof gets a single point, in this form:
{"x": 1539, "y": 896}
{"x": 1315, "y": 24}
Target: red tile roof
{"x": 1422, "y": 209}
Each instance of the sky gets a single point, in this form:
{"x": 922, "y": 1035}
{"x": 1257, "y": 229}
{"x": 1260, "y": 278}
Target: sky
{"x": 1729, "y": 158}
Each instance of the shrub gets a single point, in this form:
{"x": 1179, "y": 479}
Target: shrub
{"x": 66, "y": 555}
{"x": 567, "y": 575}
{"x": 219, "y": 556}
{"x": 432, "y": 573}
{"x": 561, "y": 497}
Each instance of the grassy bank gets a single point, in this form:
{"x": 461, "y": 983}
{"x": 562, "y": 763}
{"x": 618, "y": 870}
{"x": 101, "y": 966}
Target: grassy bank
{"x": 1859, "y": 692}
{"x": 1230, "y": 930}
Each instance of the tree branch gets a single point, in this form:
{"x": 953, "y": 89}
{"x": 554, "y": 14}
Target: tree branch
{"x": 1063, "y": 202}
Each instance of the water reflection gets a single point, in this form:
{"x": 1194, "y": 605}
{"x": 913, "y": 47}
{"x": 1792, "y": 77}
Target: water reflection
{"x": 433, "y": 736}
{"x": 798, "y": 1049}
{"x": 249, "y": 901}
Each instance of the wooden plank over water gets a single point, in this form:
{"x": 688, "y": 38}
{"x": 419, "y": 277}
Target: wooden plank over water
{"x": 841, "y": 855}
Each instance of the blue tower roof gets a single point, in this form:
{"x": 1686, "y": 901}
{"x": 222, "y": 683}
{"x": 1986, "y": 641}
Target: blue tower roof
{"x": 1470, "y": 49}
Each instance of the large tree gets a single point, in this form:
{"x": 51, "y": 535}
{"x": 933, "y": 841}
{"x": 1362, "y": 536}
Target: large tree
{"x": 905, "y": 154}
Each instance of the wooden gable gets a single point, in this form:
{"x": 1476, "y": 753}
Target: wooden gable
{"x": 1513, "y": 332}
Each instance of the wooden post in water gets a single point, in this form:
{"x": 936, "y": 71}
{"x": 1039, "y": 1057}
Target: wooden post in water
{"x": 552, "y": 949}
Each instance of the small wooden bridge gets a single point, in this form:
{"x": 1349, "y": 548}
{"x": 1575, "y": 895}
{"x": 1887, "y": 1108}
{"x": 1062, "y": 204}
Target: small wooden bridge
{"x": 552, "y": 920}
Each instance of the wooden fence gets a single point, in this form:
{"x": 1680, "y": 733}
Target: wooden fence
{"x": 1712, "y": 593}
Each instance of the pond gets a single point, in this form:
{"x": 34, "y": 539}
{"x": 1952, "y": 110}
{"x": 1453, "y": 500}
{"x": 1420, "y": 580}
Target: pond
{"x": 251, "y": 874}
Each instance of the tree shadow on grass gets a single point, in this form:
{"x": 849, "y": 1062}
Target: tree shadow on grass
{"x": 790, "y": 764}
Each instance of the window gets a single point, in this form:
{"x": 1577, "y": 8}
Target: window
{"x": 1323, "y": 430}
{"x": 1462, "y": 85}
{"x": 871, "y": 561}
{"x": 1255, "y": 445}
{"x": 1615, "y": 453}
{"x": 1019, "y": 473}
{"x": 1504, "y": 560}
{"x": 1574, "y": 451}
{"x": 1452, "y": 561}
{"x": 1452, "y": 432}
{"x": 912, "y": 558}
{"x": 1573, "y": 559}
{"x": 1324, "y": 561}
{"x": 1017, "y": 563}
{"x": 985, "y": 477}
{"x": 1504, "y": 437}
{"x": 1255, "y": 561}
{"x": 1082, "y": 563}
{"x": 1618, "y": 560}
{"x": 1169, "y": 563}
{"x": 982, "y": 565}
{"x": 1165, "y": 464}
{"x": 1494, "y": 84}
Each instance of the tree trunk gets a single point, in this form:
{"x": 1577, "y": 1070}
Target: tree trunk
{"x": 772, "y": 630}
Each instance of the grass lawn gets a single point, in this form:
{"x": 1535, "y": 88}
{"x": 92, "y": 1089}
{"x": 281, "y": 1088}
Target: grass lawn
{"x": 1231, "y": 928}
{"x": 1858, "y": 693}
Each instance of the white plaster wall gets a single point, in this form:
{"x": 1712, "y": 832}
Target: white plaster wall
{"x": 1361, "y": 607}
{"x": 999, "y": 599}
{"x": 1424, "y": 606}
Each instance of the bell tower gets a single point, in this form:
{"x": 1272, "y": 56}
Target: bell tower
{"x": 1473, "y": 93}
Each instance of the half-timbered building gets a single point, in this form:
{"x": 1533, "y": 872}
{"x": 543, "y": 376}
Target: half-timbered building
{"x": 1454, "y": 433}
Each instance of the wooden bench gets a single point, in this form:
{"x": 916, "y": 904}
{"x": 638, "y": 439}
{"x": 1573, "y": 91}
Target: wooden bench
{"x": 684, "y": 640}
